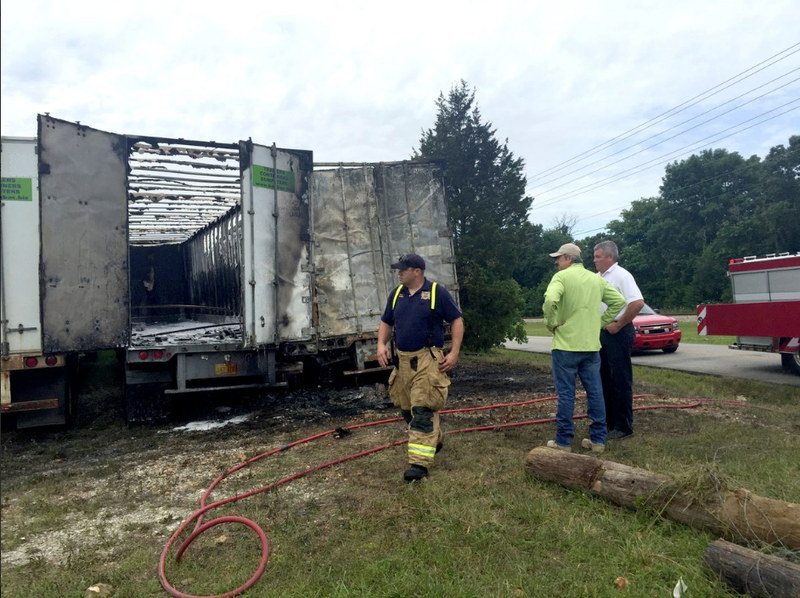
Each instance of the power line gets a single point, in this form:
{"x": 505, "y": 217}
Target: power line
{"x": 674, "y": 154}
{"x": 724, "y": 174}
{"x": 673, "y": 207}
{"x": 685, "y": 105}
{"x": 670, "y": 129}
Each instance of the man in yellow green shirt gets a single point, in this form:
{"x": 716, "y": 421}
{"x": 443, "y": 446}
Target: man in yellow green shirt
{"x": 572, "y": 313}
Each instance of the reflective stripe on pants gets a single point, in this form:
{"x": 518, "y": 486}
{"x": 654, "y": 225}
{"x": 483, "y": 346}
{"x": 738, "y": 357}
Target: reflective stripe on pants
{"x": 422, "y": 392}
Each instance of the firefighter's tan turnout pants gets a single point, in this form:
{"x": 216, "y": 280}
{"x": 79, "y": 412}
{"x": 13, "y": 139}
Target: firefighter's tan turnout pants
{"x": 420, "y": 392}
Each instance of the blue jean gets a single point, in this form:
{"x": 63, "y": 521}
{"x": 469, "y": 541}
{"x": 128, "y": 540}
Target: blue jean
{"x": 586, "y": 364}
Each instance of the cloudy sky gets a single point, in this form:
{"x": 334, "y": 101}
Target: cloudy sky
{"x": 596, "y": 97}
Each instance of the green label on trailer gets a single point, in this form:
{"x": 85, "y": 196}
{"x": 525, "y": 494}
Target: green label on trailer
{"x": 266, "y": 177}
{"x": 17, "y": 189}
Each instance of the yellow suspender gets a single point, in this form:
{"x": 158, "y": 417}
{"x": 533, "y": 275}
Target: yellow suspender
{"x": 396, "y": 293}
{"x": 433, "y": 296}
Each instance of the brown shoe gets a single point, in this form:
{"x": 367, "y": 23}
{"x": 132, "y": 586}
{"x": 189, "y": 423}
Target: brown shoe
{"x": 596, "y": 447}
{"x": 552, "y": 444}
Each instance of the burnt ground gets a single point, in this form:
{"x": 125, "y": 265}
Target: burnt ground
{"x": 98, "y": 422}
{"x": 94, "y": 465}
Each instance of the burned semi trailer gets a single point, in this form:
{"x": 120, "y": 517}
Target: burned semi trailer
{"x": 213, "y": 266}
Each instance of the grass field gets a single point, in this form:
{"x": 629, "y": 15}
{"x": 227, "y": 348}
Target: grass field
{"x": 481, "y": 526}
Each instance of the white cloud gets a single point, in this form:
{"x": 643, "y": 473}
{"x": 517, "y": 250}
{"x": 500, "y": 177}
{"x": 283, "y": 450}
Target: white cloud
{"x": 357, "y": 81}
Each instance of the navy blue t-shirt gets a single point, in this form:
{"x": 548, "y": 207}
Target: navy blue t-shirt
{"x": 411, "y": 314}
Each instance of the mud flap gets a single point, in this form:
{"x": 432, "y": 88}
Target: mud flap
{"x": 145, "y": 399}
{"x": 53, "y": 384}
{"x": 147, "y": 402}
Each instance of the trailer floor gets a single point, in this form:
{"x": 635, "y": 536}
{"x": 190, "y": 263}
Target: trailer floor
{"x": 184, "y": 332}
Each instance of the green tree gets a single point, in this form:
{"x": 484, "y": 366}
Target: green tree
{"x": 638, "y": 234}
{"x": 488, "y": 208}
{"x": 535, "y": 267}
{"x": 780, "y": 215}
{"x": 713, "y": 206}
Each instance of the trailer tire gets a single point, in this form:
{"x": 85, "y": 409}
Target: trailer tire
{"x": 791, "y": 362}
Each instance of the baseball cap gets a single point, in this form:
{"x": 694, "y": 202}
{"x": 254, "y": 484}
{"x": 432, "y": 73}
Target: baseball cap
{"x": 568, "y": 249}
{"x": 409, "y": 260}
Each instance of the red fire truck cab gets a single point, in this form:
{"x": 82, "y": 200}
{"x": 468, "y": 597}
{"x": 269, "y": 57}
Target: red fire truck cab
{"x": 765, "y": 314}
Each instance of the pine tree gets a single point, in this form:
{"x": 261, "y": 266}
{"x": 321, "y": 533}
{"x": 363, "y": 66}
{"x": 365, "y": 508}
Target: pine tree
{"x": 488, "y": 209}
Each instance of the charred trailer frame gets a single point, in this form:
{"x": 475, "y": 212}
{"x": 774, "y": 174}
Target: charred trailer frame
{"x": 206, "y": 266}
{"x": 216, "y": 320}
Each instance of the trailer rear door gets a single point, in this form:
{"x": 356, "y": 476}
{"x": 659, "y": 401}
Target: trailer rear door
{"x": 348, "y": 257}
{"x": 84, "y": 262}
{"x": 414, "y": 214}
{"x": 364, "y": 218}
{"x": 19, "y": 252}
{"x": 277, "y": 253}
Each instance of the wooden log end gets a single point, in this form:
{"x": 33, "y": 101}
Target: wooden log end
{"x": 569, "y": 469}
{"x": 754, "y": 573}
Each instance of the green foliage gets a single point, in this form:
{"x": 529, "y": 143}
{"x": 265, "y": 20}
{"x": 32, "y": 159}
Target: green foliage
{"x": 484, "y": 292}
{"x": 712, "y": 207}
{"x": 535, "y": 267}
{"x": 484, "y": 181}
{"x": 487, "y": 208}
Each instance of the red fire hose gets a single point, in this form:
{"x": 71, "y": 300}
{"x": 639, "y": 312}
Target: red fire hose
{"x": 198, "y": 515}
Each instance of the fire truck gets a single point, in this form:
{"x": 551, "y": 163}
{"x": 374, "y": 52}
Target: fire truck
{"x": 765, "y": 314}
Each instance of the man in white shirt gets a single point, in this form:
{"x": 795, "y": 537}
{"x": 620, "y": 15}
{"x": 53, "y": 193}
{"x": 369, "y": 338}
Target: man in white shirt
{"x": 616, "y": 339}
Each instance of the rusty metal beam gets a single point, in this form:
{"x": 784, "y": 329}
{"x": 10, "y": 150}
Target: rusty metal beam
{"x": 31, "y": 405}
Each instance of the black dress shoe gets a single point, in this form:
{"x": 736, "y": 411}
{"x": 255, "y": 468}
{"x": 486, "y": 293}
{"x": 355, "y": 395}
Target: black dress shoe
{"x": 618, "y": 435}
{"x": 415, "y": 473}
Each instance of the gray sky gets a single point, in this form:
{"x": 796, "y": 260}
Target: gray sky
{"x": 358, "y": 81}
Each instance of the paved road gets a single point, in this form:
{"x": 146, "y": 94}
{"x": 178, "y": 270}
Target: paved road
{"x": 717, "y": 360}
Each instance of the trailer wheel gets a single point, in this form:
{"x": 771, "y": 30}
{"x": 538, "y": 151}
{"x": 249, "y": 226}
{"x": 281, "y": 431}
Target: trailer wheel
{"x": 791, "y": 362}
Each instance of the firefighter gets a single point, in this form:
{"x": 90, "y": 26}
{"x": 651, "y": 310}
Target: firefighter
{"x": 417, "y": 310}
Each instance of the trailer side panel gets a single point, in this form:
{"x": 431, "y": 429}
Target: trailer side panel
{"x": 414, "y": 217}
{"x": 348, "y": 259}
{"x": 19, "y": 255}
{"x": 276, "y": 252}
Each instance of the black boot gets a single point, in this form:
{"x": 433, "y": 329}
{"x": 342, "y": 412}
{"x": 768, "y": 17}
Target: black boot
{"x": 415, "y": 473}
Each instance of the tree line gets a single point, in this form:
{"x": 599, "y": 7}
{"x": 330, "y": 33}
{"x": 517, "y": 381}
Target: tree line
{"x": 711, "y": 207}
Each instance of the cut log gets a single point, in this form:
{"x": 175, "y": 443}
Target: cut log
{"x": 751, "y": 572}
{"x": 736, "y": 515}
